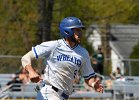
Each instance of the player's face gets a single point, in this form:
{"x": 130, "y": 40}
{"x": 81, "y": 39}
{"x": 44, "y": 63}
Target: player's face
{"x": 77, "y": 34}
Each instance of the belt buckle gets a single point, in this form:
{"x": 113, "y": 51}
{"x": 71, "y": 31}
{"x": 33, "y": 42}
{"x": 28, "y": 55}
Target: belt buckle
{"x": 64, "y": 95}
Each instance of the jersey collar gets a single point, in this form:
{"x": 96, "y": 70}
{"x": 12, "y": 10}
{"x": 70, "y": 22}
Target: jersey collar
{"x": 68, "y": 44}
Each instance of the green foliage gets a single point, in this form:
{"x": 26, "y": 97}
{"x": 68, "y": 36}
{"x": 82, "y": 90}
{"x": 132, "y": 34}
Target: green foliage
{"x": 18, "y": 25}
{"x": 19, "y": 20}
{"x": 135, "y": 64}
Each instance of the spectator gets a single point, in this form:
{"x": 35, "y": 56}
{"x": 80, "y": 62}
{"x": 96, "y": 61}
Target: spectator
{"x": 94, "y": 64}
{"x": 15, "y": 82}
{"x": 99, "y": 56}
{"x": 116, "y": 74}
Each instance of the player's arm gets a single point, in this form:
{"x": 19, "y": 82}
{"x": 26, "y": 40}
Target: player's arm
{"x": 89, "y": 74}
{"x": 94, "y": 84}
{"x": 26, "y": 63}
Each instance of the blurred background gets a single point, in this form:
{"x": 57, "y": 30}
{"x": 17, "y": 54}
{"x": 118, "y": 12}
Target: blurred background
{"x": 111, "y": 35}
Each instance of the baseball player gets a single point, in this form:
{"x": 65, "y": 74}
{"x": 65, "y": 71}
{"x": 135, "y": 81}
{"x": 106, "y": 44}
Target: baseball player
{"x": 64, "y": 57}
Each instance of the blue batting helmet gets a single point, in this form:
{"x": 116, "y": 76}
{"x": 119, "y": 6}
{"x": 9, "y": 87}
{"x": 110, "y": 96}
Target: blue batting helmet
{"x": 67, "y": 24}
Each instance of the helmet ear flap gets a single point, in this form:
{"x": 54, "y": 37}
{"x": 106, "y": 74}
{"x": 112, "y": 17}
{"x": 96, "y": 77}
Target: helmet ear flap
{"x": 66, "y": 32}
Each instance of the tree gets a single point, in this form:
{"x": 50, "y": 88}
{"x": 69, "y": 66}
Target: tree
{"x": 135, "y": 64}
{"x": 18, "y": 25}
{"x": 46, "y": 10}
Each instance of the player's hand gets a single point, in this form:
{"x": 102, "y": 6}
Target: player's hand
{"x": 98, "y": 86}
{"x": 34, "y": 77}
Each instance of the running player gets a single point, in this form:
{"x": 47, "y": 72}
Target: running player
{"x": 64, "y": 57}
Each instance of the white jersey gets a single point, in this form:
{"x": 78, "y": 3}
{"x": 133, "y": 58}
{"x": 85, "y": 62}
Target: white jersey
{"x": 63, "y": 63}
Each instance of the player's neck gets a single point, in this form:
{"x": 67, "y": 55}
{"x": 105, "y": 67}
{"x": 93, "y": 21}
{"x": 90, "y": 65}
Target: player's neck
{"x": 70, "y": 43}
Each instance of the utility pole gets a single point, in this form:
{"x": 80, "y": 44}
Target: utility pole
{"x": 105, "y": 33}
{"x": 44, "y": 32}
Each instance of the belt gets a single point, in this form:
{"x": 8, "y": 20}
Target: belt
{"x": 63, "y": 94}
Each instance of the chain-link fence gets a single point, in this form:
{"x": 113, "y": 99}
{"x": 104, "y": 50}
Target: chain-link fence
{"x": 12, "y": 64}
